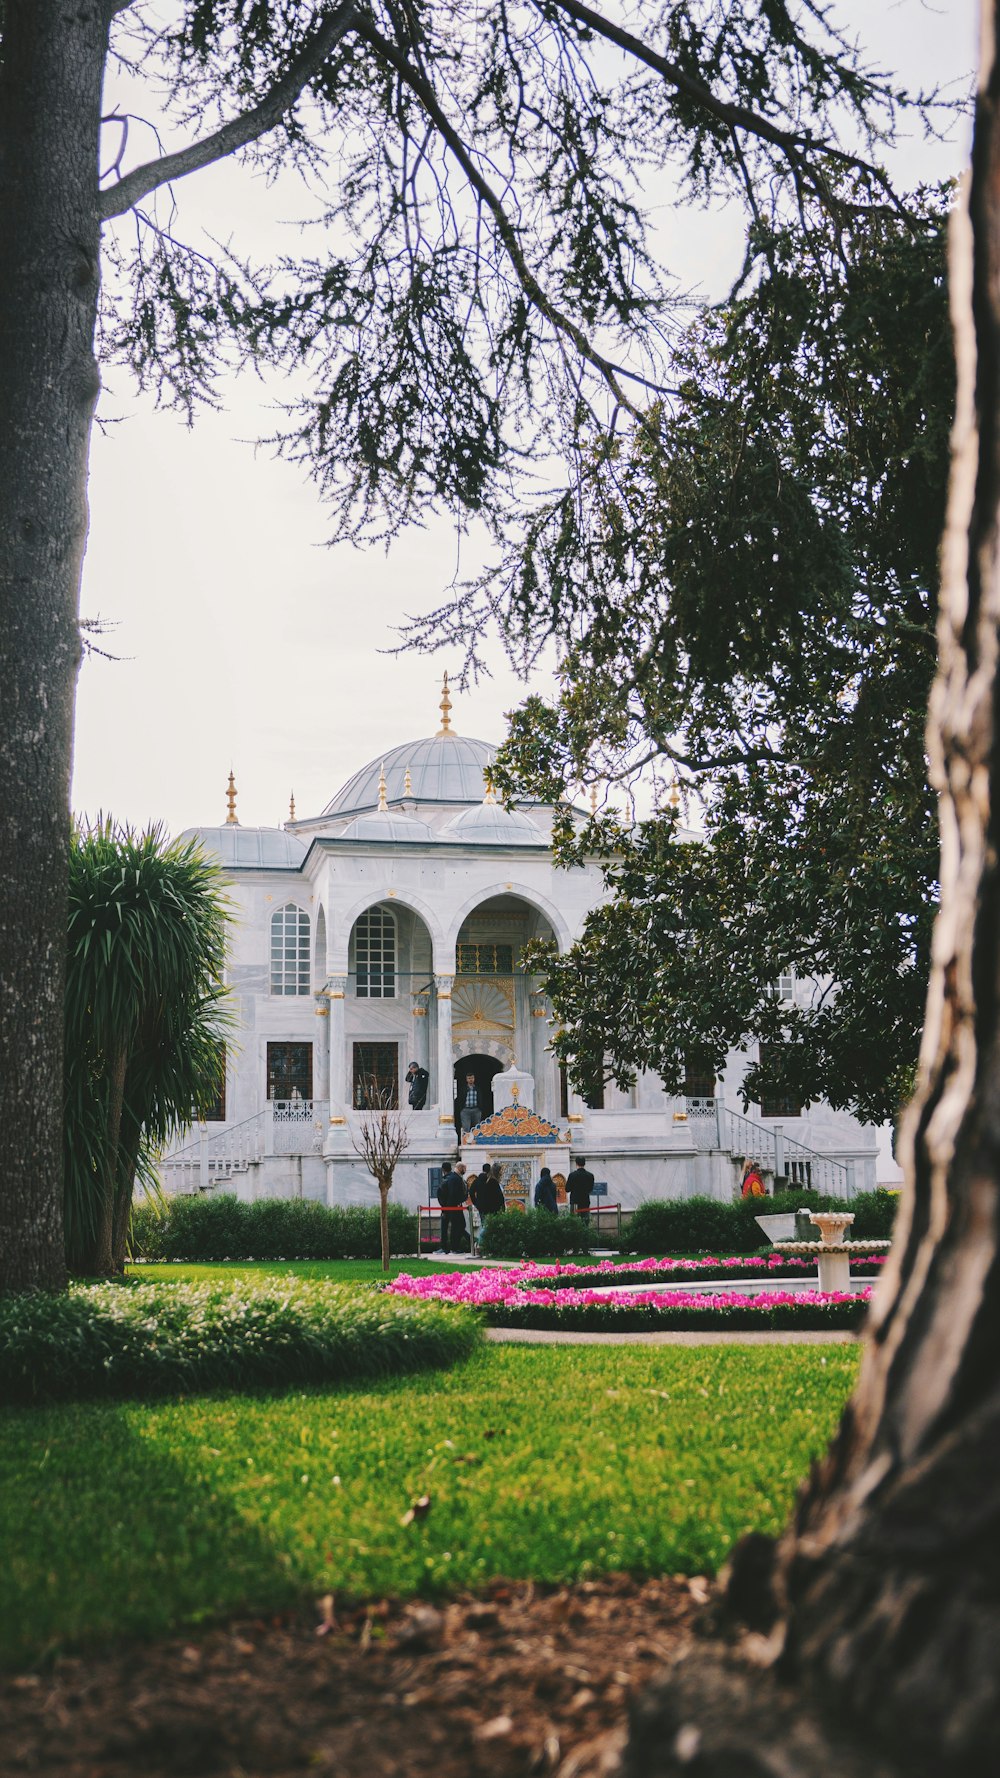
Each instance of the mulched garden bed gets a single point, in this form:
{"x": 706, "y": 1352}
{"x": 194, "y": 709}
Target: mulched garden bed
{"x": 520, "y": 1680}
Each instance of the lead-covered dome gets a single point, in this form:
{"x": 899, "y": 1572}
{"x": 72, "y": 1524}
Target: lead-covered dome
{"x": 443, "y": 768}
{"x": 491, "y": 824}
{"x": 249, "y": 848}
{"x": 383, "y": 825}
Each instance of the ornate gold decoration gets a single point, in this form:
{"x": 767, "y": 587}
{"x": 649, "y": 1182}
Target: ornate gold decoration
{"x": 382, "y": 804}
{"x": 575, "y": 1117}
{"x": 231, "y": 820}
{"x": 291, "y": 807}
{"x": 407, "y": 784}
{"x": 483, "y": 1003}
{"x": 593, "y": 799}
{"x": 490, "y": 796}
{"x": 445, "y": 728}
{"x": 420, "y": 1012}
{"x": 338, "y": 1120}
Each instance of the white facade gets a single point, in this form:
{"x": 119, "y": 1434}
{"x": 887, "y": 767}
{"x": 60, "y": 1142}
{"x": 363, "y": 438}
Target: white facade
{"x": 389, "y": 929}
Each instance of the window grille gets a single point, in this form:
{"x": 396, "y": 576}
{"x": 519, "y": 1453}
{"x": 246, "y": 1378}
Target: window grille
{"x": 699, "y": 1077}
{"x": 376, "y": 1076}
{"x": 289, "y": 951}
{"x": 786, "y": 985}
{"x": 290, "y": 1071}
{"x": 485, "y": 959}
{"x": 375, "y": 955}
{"x": 214, "y": 1108}
{"x": 776, "y": 1100}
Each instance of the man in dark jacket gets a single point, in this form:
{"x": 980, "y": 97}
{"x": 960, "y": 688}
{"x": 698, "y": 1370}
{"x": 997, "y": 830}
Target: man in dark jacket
{"x": 418, "y": 1078}
{"x": 452, "y": 1195}
{"x": 579, "y": 1186}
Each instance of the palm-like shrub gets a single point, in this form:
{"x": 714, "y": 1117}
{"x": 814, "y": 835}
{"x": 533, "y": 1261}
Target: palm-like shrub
{"x": 144, "y": 1020}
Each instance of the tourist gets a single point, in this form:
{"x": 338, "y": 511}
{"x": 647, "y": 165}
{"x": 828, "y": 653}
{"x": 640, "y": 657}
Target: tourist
{"x": 470, "y": 1109}
{"x": 419, "y": 1080}
{"x": 452, "y": 1197}
{"x": 491, "y": 1199}
{"x": 545, "y": 1193}
{"x": 579, "y": 1186}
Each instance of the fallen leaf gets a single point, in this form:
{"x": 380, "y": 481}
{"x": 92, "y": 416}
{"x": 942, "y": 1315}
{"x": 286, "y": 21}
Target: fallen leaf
{"x": 495, "y": 1728}
{"x": 418, "y": 1510}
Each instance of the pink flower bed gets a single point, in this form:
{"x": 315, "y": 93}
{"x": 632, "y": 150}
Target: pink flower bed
{"x": 739, "y": 1262}
{"x": 505, "y": 1287}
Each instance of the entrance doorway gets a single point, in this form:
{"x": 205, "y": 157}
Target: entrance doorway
{"x": 484, "y": 1068}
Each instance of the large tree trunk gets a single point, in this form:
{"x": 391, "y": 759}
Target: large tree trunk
{"x": 50, "y": 102}
{"x": 885, "y": 1591}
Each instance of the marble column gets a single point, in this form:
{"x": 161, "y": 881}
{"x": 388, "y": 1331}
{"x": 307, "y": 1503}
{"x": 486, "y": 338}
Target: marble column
{"x": 336, "y": 989}
{"x": 445, "y": 1063}
{"x": 321, "y": 1055}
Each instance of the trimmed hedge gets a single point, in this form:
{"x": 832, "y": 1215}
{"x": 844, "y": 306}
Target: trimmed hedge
{"x": 155, "y": 1339}
{"x": 605, "y": 1318}
{"x": 223, "y": 1227}
{"x": 706, "y": 1225}
{"x": 533, "y": 1234}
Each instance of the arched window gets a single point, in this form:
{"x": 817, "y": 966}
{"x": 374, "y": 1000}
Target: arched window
{"x": 289, "y": 951}
{"x": 375, "y": 955}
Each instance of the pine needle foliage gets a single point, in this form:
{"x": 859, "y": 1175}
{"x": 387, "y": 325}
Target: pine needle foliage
{"x": 145, "y": 1018}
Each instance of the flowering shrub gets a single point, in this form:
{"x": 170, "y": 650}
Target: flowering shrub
{"x": 518, "y": 1296}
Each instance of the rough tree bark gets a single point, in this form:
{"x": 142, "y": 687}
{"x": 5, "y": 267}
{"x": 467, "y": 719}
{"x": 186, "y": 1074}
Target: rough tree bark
{"x": 50, "y": 105}
{"x": 883, "y": 1597}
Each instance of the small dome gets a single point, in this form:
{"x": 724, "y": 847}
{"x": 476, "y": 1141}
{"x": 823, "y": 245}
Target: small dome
{"x": 249, "y": 848}
{"x": 385, "y": 825}
{"x": 444, "y": 768}
{"x": 491, "y": 824}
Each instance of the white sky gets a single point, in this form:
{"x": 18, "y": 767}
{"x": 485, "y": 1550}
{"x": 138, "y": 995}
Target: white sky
{"x": 243, "y": 640}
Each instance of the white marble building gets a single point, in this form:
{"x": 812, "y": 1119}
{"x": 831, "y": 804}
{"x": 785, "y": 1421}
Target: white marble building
{"x": 390, "y": 928}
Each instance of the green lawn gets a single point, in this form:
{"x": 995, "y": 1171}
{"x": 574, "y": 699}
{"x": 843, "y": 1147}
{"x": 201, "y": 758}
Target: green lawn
{"x": 339, "y": 1271}
{"x": 128, "y": 1519}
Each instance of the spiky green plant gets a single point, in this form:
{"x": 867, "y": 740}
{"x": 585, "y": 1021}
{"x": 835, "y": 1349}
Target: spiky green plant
{"x": 145, "y": 1017}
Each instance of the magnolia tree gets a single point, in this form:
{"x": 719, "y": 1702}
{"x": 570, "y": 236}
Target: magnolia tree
{"x": 380, "y": 1142}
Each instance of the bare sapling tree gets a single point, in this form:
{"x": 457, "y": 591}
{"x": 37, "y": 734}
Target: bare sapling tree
{"x": 380, "y": 1142}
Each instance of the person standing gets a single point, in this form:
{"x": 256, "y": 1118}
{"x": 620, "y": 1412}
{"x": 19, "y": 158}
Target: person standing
{"x": 579, "y": 1186}
{"x": 418, "y": 1079}
{"x": 545, "y": 1193}
{"x": 451, "y": 1196}
{"x": 470, "y": 1111}
{"x": 490, "y": 1198}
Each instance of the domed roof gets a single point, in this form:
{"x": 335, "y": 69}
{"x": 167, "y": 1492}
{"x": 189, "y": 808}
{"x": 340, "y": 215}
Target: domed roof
{"x": 249, "y": 848}
{"x": 443, "y": 768}
{"x": 492, "y": 824}
{"x": 385, "y": 825}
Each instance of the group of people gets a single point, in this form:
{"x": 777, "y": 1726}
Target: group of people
{"x": 456, "y": 1192}
{"x": 468, "y": 1098}
{"x": 579, "y": 1185}
{"x": 484, "y": 1192}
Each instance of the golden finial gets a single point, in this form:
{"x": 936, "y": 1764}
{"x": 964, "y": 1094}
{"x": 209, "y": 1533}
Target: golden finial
{"x": 593, "y": 799}
{"x": 674, "y": 794}
{"x": 231, "y": 820}
{"x": 407, "y": 784}
{"x": 490, "y": 796}
{"x": 291, "y": 807}
{"x": 382, "y": 804}
{"x": 445, "y": 728}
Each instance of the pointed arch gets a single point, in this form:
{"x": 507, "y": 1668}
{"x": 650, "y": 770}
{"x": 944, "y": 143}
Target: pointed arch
{"x": 533, "y": 898}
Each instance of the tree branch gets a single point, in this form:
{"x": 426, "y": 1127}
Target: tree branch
{"x": 797, "y": 146}
{"x": 422, "y": 90}
{"x": 239, "y": 131}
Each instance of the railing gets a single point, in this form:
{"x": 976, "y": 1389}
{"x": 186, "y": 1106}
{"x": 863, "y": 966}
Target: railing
{"x": 284, "y": 1126}
{"x": 712, "y": 1125}
{"x": 298, "y": 1126}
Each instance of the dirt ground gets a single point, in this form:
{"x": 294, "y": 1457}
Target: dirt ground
{"x": 517, "y": 1681}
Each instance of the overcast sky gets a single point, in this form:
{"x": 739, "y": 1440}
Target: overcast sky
{"x": 244, "y": 641}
